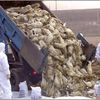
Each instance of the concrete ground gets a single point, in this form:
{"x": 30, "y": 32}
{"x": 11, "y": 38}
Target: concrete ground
{"x": 16, "y": 97}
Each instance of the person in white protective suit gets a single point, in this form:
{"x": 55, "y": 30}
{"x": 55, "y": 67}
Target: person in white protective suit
{"x": 97, "y": 54}
{"x": 4, "y": 74}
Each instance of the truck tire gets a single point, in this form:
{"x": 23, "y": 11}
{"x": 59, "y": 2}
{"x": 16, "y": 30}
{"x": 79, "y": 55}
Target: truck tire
{"x": 15, "y": 79}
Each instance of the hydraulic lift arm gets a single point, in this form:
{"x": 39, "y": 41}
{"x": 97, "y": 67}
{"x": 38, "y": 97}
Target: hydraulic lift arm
{"x": 88, "y": 49}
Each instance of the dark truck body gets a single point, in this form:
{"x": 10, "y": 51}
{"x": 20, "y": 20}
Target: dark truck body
{"x": 87, "y": 48}
{"x": 25, "y": 58}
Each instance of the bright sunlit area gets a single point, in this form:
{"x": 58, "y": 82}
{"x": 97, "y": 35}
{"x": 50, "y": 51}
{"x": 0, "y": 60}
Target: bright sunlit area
{"x": 69, "y": 5}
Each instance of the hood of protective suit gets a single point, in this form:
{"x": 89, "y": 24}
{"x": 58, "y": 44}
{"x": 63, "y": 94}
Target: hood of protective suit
{"x": 2, "y": 47}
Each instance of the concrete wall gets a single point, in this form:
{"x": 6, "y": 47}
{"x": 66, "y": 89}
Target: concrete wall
{"x": 85, "y": 21}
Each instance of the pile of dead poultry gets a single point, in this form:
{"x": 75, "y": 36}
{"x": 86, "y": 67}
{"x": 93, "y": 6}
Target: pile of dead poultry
{"x": 64, "y": 74}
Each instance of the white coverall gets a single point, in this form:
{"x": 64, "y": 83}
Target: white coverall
{"x": 4, "y": 74}
{"x": 97, "y": 55}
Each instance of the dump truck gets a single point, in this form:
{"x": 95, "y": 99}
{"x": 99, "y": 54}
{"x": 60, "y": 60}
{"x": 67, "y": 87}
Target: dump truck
{"x": 25, "y": 59}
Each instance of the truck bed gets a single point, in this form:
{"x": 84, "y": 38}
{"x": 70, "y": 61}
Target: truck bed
{"x": 9, "y": 4}
{"x": 28, "y": 50}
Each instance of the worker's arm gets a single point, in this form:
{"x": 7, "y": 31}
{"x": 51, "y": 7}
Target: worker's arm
{"x": 97, "y": 51}
{"x": 5, "y": 66}
{"x": 97, "y": 54}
